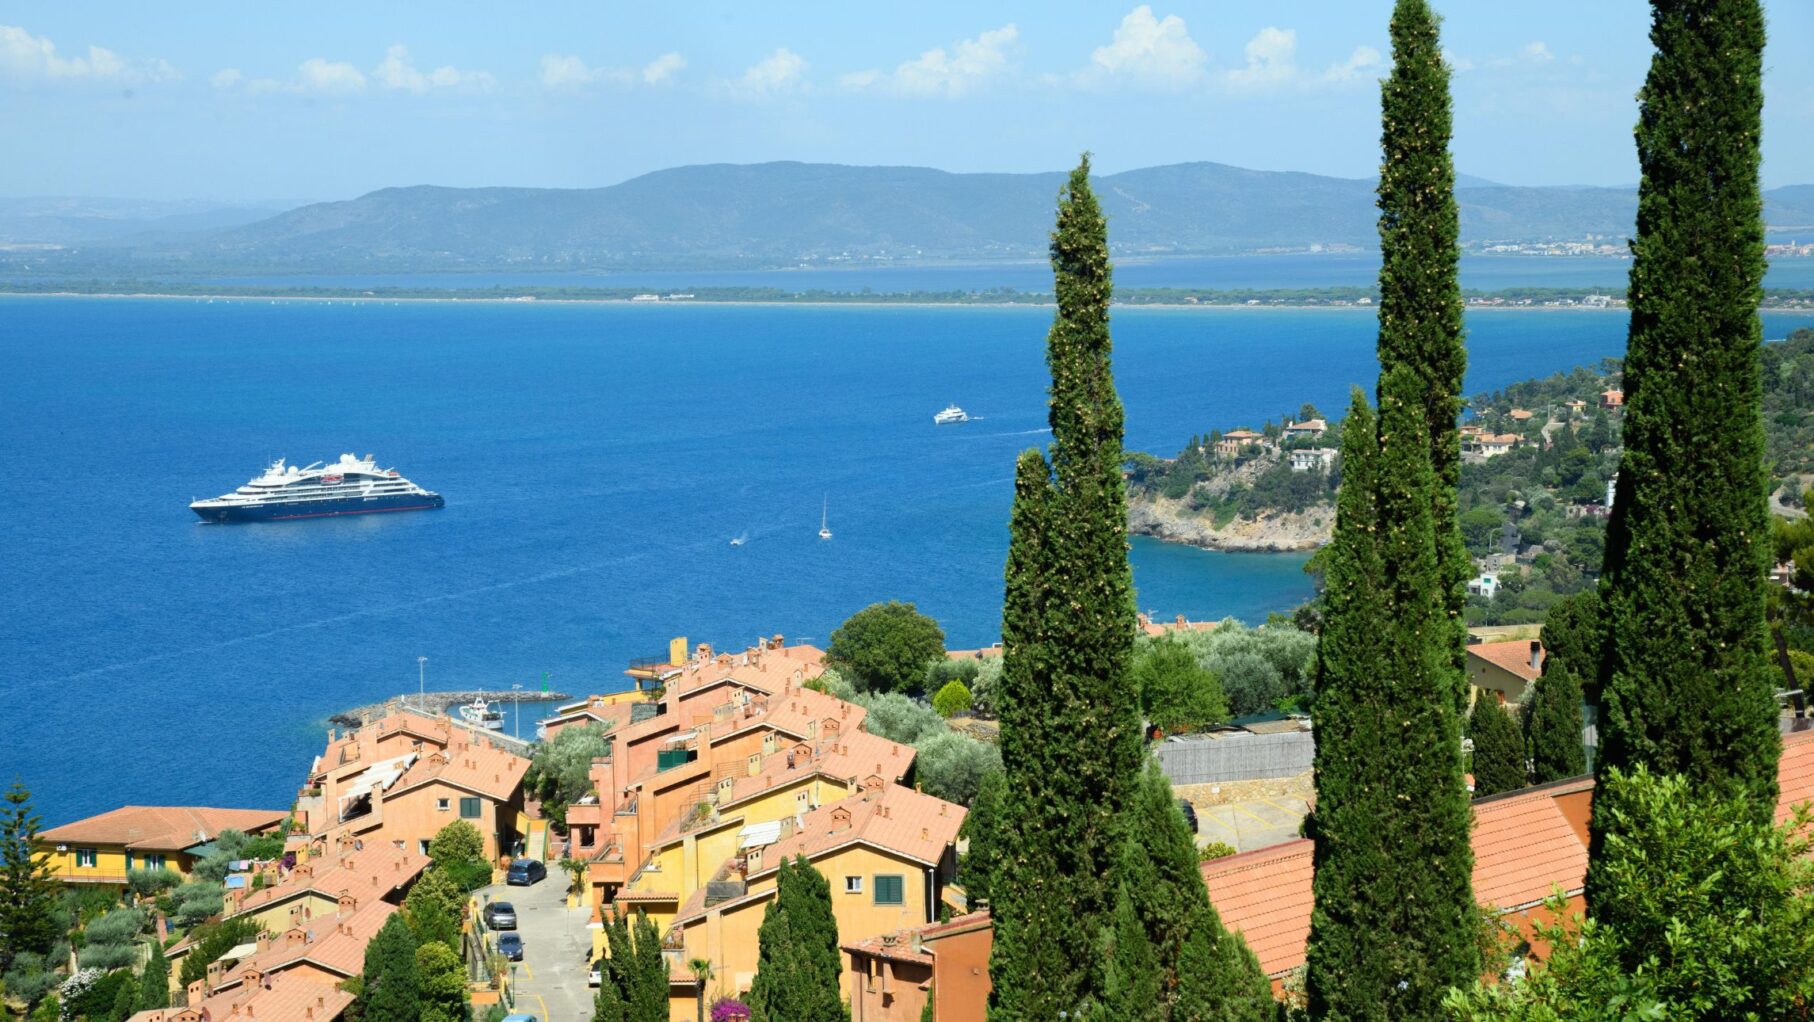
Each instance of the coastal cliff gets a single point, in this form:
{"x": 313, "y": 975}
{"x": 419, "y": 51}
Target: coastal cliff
{"x": 1270, "y": 531}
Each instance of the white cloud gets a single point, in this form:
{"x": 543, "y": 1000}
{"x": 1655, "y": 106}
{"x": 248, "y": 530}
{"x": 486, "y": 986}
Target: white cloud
{"x": 226, "y": 78}
{"x": 329, "y": 77}
{"x": 28, "y": 57}
{"x": 781, "y": 73}
{"x": 1271, "y": 61}
{"x": 397, "y": 72}
{"x": 1538, "y": 53}
{"x": 1156, "y": 52}
{"x": 1360, "y": 63}
{"x": 1457, "y": 63}
{"x": 569, "y": 73}
{"x": 663, "y": 68}
{"x": 937, "y": 72}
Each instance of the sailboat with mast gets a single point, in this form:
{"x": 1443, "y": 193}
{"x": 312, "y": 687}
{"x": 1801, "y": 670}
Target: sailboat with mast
{"x": 824, "y": 520}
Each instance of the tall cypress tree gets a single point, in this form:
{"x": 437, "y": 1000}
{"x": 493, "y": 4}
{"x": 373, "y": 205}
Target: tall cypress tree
{"x": 798, "y": 961}
{"x": 1420, "y": 307}
{"x": 1498, "y": 748}
{"x": 28, "y": 893}
{"x": 1393, "y": 925}
{"x": 1553, "y": 726}
{"x": 392, "y": 990}
{"x": 154, "y": 982}
{"x": 1169, "y": 959}
{"x": 1685, "y": 687}
{"x": 1070, "y": 726}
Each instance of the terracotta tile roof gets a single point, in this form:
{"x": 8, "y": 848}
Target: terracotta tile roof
{"x": 1795, "y": 774}
{"x": 161, "y": 828}
{"x": 1514, "y": 656}
{"x": 957, "y": 924}
{"x": 283, "y": 999}
{"x": 908, "y": 823}
{"x": 857, "y": 755}
{"x": 768, "y": 670}
{"x": 1265, "y": 894}
{"x": 359, "y": 743}
{"x": 1524, "y": 847}
{"x": 333, "y": 942}
{"x": 332, "y": 875}
{"x": 479, "y": 768}
{"x": 1521, "y": 414}
{"x": 899, "y": 946}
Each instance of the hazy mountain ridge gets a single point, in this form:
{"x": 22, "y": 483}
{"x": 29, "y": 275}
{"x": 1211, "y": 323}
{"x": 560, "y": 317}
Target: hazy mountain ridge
{"x": 776, "y": 214}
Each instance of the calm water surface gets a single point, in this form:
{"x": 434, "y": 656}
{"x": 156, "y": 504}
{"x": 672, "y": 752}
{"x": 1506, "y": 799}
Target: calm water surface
{"x": 596, "y": 461}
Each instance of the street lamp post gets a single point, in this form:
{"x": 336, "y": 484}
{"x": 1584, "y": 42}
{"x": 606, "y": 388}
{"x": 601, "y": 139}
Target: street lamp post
{"x": 422, "y": 683}
{"x": 517, "y": 712}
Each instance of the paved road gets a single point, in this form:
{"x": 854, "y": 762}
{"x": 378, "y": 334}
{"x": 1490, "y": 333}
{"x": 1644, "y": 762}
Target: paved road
{"x": 1255, "y": 823}
{"x": 551, "y": 978}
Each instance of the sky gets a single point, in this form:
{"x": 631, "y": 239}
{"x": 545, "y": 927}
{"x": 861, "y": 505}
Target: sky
{"x": 238, "y": 102}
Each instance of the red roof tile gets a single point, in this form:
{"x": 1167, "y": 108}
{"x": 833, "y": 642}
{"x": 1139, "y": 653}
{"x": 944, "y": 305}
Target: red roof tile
{"x": 1265, "y": 894}
{"x": 161, "y": 828}
{"x": 1514, "y": 656}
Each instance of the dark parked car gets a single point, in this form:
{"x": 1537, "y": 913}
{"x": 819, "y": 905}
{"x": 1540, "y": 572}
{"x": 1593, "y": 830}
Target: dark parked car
{"x": 524, "y": 872}
{"x": 1190, "y": 813}
{"x": 510, "y": 945}
{"x": 500, "y": 915}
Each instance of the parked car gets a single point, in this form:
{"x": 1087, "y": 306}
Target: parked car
{"x": 592, "y": 977}
{"x": 500, "y": 915}
{"x": 522, "y": 1017}
{"x": 510, "y": 945}
{"x": 524, "y": 872}
{"x": 1190, "y": 813}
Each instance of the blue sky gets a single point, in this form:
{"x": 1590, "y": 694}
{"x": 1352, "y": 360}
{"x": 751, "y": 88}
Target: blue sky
{"x": 240, "y": 102}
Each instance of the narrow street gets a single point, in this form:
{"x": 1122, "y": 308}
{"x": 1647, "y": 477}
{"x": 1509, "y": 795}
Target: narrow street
{"x": 551, "y": 978}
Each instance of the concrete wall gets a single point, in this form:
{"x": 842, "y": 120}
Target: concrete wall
{"x": 1236, "y": 757}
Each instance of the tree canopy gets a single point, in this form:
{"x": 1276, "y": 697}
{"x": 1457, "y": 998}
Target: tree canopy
{"x": 886, "y": 647}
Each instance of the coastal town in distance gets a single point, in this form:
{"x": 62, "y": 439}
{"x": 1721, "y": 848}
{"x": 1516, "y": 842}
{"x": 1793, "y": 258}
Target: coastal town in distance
{"x": 1171, "y": 513}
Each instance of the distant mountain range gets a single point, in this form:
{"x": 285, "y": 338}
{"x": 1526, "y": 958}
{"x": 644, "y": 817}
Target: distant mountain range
{"x": 780, "y": 214}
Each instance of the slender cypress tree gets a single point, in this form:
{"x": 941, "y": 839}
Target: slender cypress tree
{"x": 1553, "y": 726}
{"x": 1685, "y": 686}
{"x": 1169, "y": 959}
{"x": 392, "y": 988}
{"x": 28, "y": 893}
{"x": 154, "y": 982}
{"x": 1498, "y": 749}
{"x": 1393, "y": 925}
{"x": 1070, "y": 726}
{"x": 1420, "y": 307}
{"x": 1574, "y": 637}
{"x": 124, "y": 1000}
{"x": 648, "y": 998}
{"x": 983, "y": 829}
{"x": 798, "y": 961}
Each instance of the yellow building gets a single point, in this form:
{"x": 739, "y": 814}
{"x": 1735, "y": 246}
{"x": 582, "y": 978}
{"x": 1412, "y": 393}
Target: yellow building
{"x": 102, "y": 849}
{"x": 1504, "y": 671}
{"x": 886, "y": 853}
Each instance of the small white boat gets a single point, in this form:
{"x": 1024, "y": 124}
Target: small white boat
{"x": 738, "y": 540}
{"x": 824, "y": 520}
{"x": 480, "y": 714}
{"x": 951, "y": 414}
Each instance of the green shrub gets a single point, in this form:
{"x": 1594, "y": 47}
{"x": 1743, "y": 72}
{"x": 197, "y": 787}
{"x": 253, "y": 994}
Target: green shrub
{"x": 120, "y": 926}
{"x": 952, "y": 700}
{"x": 899, "y": 718}
{"x": 1215, "y": 850}
{"x": 952, "y": 766}
{"x": 886, "y": 647}
{"x": 106, "y": 956}
{"x": 30, "y": 977}
{"x": 195, "y": 901}
{"x": 148, "y": 883}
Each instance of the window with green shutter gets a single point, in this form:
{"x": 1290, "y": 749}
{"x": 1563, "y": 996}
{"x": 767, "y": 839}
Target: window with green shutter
{"x": 469, "y": 809}
{"x": 890, "y": 889}
{"x": 85, "y": 858}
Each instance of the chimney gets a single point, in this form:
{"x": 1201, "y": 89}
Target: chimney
{"x": 1537, "y": 655}
{"x": 1181, "y": 621}
{"x": 925, "y": 834}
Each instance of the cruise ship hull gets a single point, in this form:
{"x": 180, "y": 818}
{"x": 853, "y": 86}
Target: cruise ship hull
{"x": 274, "y": 511}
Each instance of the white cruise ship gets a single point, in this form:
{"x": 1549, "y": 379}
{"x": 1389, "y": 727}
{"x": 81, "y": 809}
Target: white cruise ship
{"x": 350, "y": 486}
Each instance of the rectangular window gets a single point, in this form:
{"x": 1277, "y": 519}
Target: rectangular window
{"x": 890, "y": 889}
{"x": 128, "y": 862}
{"x": 85, "y": 858}
{"x": 441, "y": 804}
{"x": 154, "y": 860}
{"x": 853, "y": 885}
{"x": 422, "y": 846}
{"x": 469, "y": 809}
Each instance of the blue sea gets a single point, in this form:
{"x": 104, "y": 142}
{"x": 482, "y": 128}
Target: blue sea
{"x": 596, "y": 460}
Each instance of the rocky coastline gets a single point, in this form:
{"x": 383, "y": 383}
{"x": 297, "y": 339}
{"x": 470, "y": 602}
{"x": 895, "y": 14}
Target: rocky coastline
{"x": 1273, "y": 532}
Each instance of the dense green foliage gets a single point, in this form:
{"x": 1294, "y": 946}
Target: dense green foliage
{"x": 110, "y": 941}
{"x": 1685, "y": 685}
{"x": 29, "y": 920}
{"x": 1070, "y": 730}
{"x": 560, "y": 772}
{"x": 899, "y": 718}
{"x": 96, "y": 1000}
{"x": 983, "y": 829}
{"x": 798, "y": 961}
{"x": 441, "y": 976}
{"x": 1788, "y": 371}
{"x": 154, "y": 981}
{"x": 434, "y": 908}
{"x": 1705, "y": 916}
{"x": 1256, "y": 670}
{"x": 1393, "y": 925}
{"x": 952, "y": 699}
{"x": 1498, "y": 748}
{"x": 1177, "y": 692}
{"x": 1168, "y": 957}
{"x": 193, "y": 902}
{"x": 211, "y": 941}
{"x": 1552, "y": 726}
{"x": 951, "y": 766}
{"x": 458, "y": 850}
{"x": 149, "y": 883}
{"x": 392, "y": 986}
{"x": 886, "y": 647}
